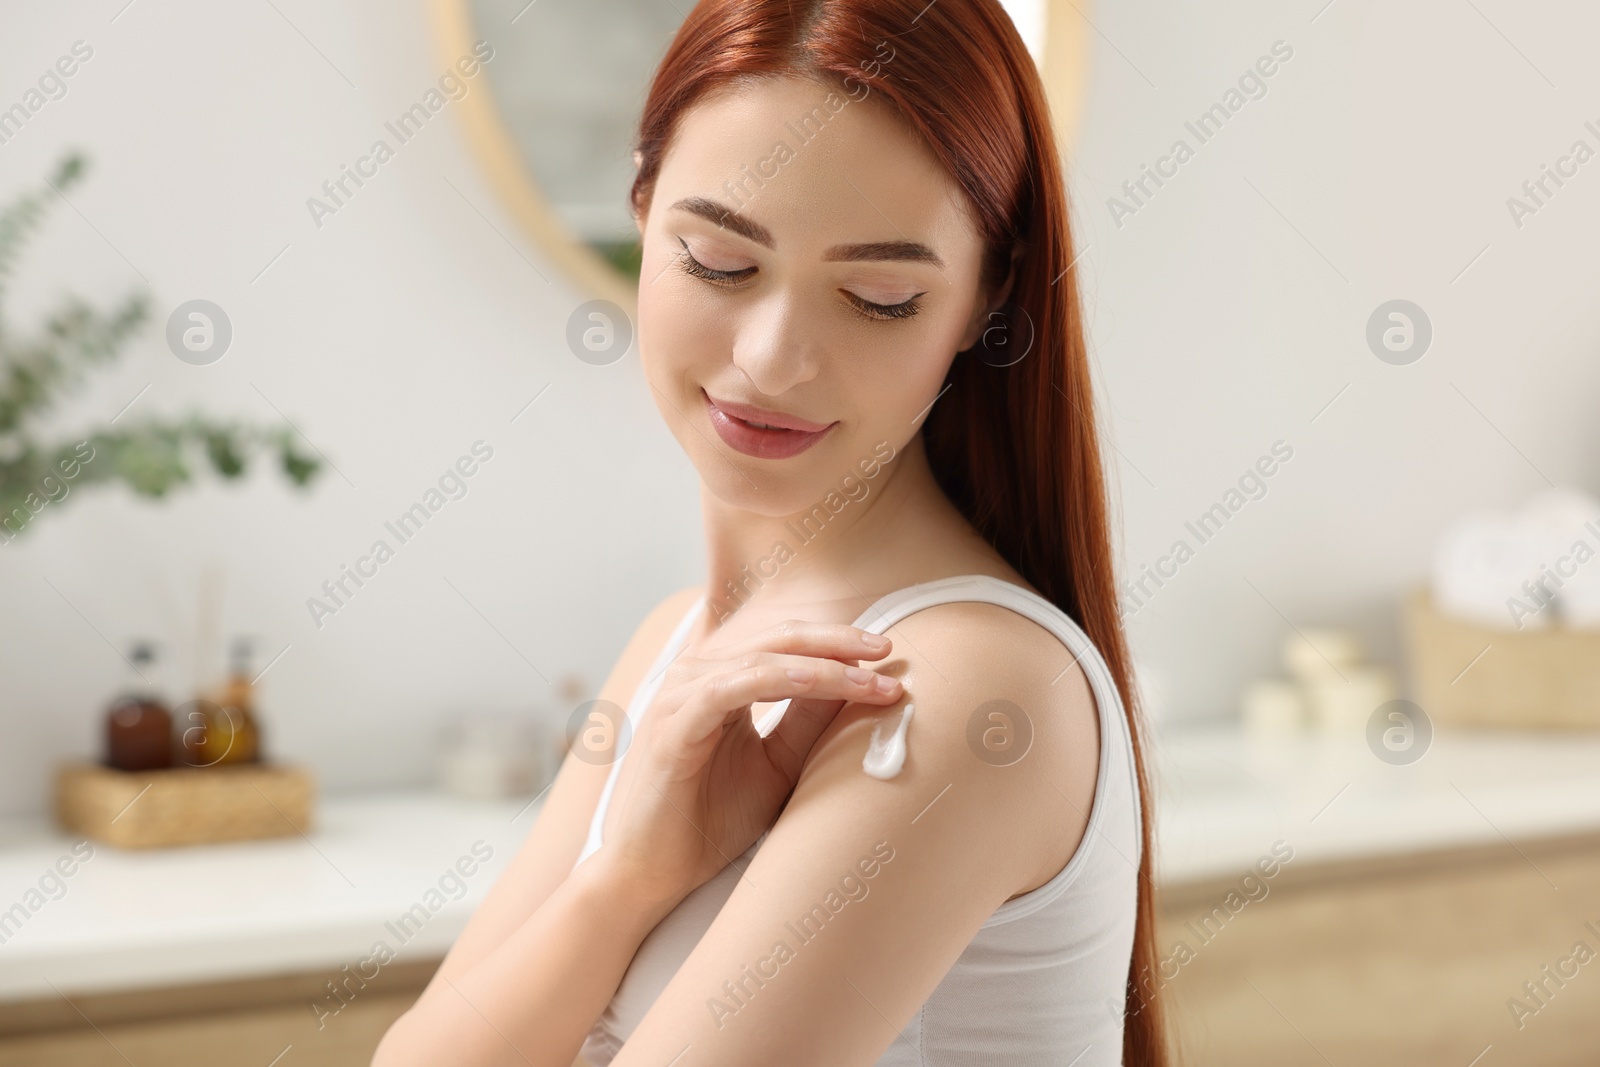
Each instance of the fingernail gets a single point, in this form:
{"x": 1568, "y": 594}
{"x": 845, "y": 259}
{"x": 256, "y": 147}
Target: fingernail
{"x": 800, "y": 674}
{"x": 859, "y": 675}
{"x": 887, "y": 684}
{"x": 874, "y": 641}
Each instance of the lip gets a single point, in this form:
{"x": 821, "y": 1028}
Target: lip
{"x": 732, "y": 423}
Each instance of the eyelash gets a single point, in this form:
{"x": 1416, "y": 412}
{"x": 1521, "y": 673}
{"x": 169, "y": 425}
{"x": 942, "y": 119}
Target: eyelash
{"x": 866, "y": 308}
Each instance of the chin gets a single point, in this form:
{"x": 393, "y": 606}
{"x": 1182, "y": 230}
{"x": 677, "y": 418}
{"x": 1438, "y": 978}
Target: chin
{"x": 812, "y": 489}
{"x": 774, "y": 488}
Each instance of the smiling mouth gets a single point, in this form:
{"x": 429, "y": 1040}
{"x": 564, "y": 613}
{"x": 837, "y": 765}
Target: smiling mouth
{"x": 766, "y": 436}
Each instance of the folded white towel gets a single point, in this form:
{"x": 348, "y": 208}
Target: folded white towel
{"x": 1529, "y": 569}
{"x": 1568, "y": 525}
{"x": 1482, "y": 564}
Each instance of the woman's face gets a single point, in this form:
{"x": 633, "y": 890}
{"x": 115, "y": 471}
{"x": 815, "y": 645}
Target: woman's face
{"x": 840, "y": 283}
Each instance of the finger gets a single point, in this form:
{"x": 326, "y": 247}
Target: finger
{"x": 783, "y": 660}
{"x": 791, "y": 741}
{"x": 686, "y": 674}
{"x": 791, "y": 639}
{"x": 835, "y": 640}
{"x": 710, "y": 703}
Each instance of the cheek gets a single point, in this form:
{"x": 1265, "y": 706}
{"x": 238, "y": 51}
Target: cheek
{"x": 677, "y": 330}
{"x": 897, "y": 375}
{"x": 913, "y": 361}
{"x": 892, "y": 383}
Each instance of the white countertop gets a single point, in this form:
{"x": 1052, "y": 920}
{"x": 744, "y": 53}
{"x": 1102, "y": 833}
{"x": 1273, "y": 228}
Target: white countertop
{"x": 132, "y": 919}
{"x": 292, "y": 904}
{"x": 1224, "y": 797}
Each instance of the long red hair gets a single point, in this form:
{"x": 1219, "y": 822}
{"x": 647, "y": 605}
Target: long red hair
{"x": 1014, "y": 447}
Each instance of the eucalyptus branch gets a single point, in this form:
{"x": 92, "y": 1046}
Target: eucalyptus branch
{"x": 151, "y": 457}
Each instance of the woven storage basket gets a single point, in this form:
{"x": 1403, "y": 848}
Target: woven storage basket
{"x": 1471, "y": 675}
{"x": 183, "y": 805}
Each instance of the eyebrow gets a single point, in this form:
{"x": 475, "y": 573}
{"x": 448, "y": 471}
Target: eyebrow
{"x": 906, "y": 251}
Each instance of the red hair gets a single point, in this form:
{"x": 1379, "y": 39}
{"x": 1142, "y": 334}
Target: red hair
{"x": 1015, "y": 448}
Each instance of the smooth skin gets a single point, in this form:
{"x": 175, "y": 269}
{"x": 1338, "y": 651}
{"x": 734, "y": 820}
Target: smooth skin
{"x": 794, "y": 323}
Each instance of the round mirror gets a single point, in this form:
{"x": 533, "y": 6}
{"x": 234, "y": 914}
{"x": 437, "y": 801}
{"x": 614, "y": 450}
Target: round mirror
{"x": 553, "y": 115}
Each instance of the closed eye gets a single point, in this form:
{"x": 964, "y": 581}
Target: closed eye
{"x": 693, "y": 266}
{"x": 903, "y": 310}
{"x": 869, "y": 310}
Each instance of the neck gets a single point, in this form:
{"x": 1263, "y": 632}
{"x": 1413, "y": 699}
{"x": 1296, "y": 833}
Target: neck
{"x": 813, "y": 554}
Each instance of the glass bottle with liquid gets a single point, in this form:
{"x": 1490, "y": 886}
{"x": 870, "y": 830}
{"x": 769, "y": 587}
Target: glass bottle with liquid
{"x": 227, "y": 730}
{"x": 138, "y": 723}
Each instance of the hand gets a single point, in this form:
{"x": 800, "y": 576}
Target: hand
{"x": 707, "y": 784}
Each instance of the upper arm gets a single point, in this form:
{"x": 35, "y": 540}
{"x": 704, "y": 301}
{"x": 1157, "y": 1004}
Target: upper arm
{"x": 896, "y": 876}
{"x": 551, "y": 848}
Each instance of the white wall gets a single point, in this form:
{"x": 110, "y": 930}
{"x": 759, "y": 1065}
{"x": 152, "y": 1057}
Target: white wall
{"x": 1389, "y": 143}
{"x": 402, "y": 331}
{"x": 407, "y": 327}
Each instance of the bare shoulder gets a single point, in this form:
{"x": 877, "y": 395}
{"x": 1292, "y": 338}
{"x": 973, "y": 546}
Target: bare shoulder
{"x": 1004, "y": 716}
{"x": 888, "y": 880}
{"x": 627, "y": 673}
{"x": 969, "y": 653}
{"x": 646, "y": 643}
{"x": 649, "y": 638}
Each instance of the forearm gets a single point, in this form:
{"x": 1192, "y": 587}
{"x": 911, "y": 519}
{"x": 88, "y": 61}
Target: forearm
{"x": 534, "y": 998}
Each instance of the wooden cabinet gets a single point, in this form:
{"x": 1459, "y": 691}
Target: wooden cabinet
{"x": 1398, "y": 962}
{"x": 260, "y": 1022}
{"x": 1401, "y": 962}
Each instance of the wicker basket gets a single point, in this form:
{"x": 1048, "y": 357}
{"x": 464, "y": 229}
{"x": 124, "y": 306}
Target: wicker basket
{"x": 1466, "y": 674}
{"x": 183, "y": 805}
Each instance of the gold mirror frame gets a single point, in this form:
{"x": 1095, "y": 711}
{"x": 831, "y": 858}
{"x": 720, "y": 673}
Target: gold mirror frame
{"x": 1064, "y": 69}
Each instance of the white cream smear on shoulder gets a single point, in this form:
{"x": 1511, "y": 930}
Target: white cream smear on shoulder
{"x": 886, "y": 753}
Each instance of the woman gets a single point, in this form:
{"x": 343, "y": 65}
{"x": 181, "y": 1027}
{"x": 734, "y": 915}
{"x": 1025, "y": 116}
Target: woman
{"x": 857, "y": 315}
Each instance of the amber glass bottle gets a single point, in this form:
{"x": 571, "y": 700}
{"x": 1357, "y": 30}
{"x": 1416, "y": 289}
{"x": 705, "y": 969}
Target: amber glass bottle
{"x": 227, "y": 730}
{"x": 138, "y": 723}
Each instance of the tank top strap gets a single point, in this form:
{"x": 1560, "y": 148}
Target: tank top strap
{"x": 651, "y": 681}
{"x": 1116, "y": 740}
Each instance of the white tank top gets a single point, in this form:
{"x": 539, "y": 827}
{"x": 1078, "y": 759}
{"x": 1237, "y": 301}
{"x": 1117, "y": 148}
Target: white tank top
{"x": 1042, "y": 983}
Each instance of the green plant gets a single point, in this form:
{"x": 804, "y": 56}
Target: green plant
{"x": 150, "y": 456}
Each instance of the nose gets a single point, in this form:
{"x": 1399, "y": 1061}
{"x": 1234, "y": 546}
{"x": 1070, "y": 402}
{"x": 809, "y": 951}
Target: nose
{"x": 774, "y": 347}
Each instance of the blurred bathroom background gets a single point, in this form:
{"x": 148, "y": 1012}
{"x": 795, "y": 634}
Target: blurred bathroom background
{"x": 1348, "y": 354}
